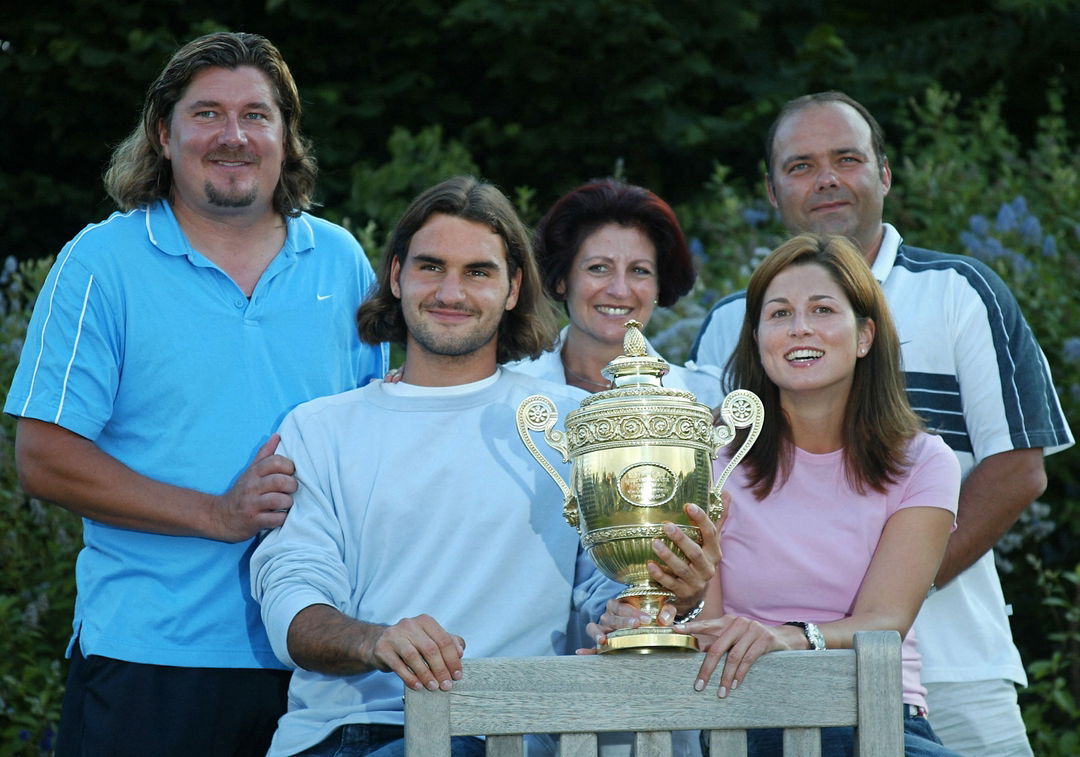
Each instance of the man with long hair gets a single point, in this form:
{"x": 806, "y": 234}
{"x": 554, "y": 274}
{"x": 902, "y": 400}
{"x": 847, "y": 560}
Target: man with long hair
{"x": 167, "y": 344}
{"x": 442, "y": 529}
{"x": 974, "y": 372}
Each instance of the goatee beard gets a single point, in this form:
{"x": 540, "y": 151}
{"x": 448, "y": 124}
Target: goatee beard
{"x": 214, "y": 197}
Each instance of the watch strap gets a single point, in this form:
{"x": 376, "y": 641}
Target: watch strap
{"x": 691, "y": 614}
{"x": 814, "y": 637}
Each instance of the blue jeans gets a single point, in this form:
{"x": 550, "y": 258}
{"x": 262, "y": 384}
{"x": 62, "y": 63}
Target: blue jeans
{"x": 919, "y": 741}
{"x": 377, "y": 740}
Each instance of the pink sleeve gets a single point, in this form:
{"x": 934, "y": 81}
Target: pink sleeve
{"x": 933, "y": 480}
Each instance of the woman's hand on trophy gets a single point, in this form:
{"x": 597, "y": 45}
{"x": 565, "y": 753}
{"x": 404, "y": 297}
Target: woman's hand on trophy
{"x": 688, "y": 574}
{"x": 741, "y": 639}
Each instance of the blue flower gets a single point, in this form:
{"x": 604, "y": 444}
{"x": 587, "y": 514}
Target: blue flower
{"x": 697, "y": 249}
{"x": 1020, "y": 264}
{"x": 1070, "y": 349}
{"x": 994, "y": 249}
{"x": 1006, "y": 217}
{"x": 973, "y": 244}
{"x": 979, "y": 225}
{"x": 754, "y": 217}
{"x": 1031, "y": 230}
{"x": 1019, "y": 206}
{"x": 1049, "y": 246}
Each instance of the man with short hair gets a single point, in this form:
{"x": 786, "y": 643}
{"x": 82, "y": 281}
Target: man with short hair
{"x": 442, "y": 529}
{"x": 167, "y": 343}
{"x": 974, "y": 372}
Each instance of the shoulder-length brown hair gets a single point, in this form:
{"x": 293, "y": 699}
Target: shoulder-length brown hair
{"x": 138, "y": 172}
{"x": 878, "y": 421}
{"x": 525, "y": 331}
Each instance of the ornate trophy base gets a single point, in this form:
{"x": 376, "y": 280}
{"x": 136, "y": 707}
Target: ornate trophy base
{"x": 648, "y": 640}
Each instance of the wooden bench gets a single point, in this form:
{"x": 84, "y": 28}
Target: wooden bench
{"x": 652, "y": 695}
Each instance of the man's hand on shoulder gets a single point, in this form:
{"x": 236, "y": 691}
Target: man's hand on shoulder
{"x": 260, "y": 498}
{"x": 61, "y": 466}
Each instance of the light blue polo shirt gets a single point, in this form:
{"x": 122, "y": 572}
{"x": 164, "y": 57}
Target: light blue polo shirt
{"x": 144, "y": 346}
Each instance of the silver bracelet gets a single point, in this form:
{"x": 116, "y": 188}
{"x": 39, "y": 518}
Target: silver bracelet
{"x": 814, "y": 637}
{"x": 694, "y": 612}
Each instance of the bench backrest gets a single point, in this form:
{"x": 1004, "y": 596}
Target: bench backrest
{"x": 652, "y": 695}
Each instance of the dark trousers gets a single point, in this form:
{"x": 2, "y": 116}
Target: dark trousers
{"x": 113, "y": 708}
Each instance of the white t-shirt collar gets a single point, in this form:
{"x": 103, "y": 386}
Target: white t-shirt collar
{"x": 402, "y": 389}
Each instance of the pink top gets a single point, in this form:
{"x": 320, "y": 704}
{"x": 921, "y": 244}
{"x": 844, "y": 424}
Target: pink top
{"x": 802, "y": 552}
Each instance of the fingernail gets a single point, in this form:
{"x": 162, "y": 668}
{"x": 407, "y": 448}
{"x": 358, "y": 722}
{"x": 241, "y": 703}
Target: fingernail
{"x": 418, "y": 686}
{"x": 457, "y": 675}
{"x": 699, "y": 685}
{"x": 445, "y": 686}
{"x": 722, "y": 692}
{"x": 693, "y": 508}
{"x": 670, "y": 528}
{"x": 432, "y": 686}
{"x": 679, "y": 626}
{"x": 735, "y": 684}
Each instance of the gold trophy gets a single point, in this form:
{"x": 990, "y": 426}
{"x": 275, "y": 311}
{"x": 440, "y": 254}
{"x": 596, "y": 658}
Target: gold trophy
{"x": 639, "y": 451}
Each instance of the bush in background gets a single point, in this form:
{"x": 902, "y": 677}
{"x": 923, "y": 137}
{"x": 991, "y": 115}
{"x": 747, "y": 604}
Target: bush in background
{"x": 37, "y": 552}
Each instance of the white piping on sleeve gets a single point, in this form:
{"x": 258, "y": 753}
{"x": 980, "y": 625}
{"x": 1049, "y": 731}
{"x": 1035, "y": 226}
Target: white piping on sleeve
{"x": 48, "y": 317}
{"x": 74, "y": 349}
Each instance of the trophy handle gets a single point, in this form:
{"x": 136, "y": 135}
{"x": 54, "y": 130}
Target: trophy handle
{"x": 740, "y": 409}
{"x": 538, "y": 413}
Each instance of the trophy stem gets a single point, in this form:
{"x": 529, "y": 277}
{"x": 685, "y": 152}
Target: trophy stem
{"x": 648, "y": 637}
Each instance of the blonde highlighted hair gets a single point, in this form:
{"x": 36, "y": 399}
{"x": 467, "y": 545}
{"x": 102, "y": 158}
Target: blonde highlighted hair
{"x": 138, "y": 172}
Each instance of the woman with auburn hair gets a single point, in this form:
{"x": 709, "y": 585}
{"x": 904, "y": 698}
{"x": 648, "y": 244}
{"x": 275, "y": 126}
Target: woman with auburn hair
{"x": 611, "y": 252}
{"x": 841, "y": 511}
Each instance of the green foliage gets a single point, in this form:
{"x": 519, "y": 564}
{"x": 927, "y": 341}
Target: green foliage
{"x": 37, "y": 552}
{"x": 1050, "y": 705}
{"x": 544, "y": 95}
{"x": 416, "y": 162}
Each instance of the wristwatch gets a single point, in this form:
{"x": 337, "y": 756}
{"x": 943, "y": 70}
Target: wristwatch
{"x": 813, "y": 634}
{"x": 691, "y": 614}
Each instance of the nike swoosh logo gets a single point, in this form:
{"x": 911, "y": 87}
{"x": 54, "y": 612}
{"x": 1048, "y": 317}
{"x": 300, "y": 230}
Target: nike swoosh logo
{"x": 321, "y": 297}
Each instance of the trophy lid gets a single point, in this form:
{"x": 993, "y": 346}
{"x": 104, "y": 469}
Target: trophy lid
{"x": 636, "y": 366}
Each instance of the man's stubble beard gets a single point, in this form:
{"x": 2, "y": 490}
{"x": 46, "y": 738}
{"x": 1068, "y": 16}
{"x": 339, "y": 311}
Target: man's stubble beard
{"x": 460, "y": 346}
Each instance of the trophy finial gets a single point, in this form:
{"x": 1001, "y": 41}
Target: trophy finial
{"x": 634, "y": 344}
